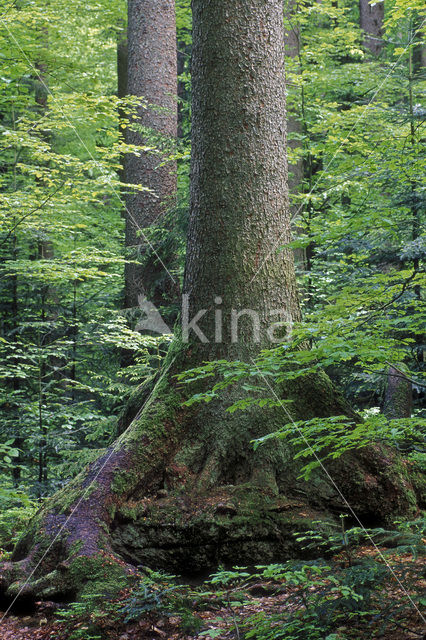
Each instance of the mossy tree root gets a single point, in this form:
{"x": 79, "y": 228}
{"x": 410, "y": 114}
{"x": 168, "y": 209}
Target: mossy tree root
{"x": 183, "y": 482}
{"x": 67, "y": 549}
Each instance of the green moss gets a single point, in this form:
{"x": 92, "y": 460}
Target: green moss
{"x": 132, "y": 512}
{"x": 242, "y": 526}
{"x": 134, "y": 403}
{"x": 75, "y": 547}
{"x": 153, "y": 434}
{"x": 69, "y": 495}
{"x": 161, "y": 408}
{"x": 99, "y": 574}
{"x": 123, "y": 479}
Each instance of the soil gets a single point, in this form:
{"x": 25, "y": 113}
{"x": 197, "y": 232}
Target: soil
{"x": 224, "y": 621}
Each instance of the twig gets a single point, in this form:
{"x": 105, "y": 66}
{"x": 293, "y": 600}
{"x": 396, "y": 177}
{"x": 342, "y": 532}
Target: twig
{"x": 404, "y": 375}
{"x": 390, "y": 302}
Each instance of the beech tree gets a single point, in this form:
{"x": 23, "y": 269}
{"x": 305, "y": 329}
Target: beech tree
{"x": 182, "y": 487}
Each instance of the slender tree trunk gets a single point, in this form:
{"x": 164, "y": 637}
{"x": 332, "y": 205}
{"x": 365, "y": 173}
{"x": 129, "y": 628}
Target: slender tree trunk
{"x": 182, "y": 488}
{"x": 45, "y": 251}
{"x": 19, "y": 440}
{"x": 398, "y": 396}
{"x": 182, "y": 53}
{"x": 294, "y": 125}
{"x": 415, "y": 207}
{"x": 122, "y": 62}
{"x": 151, "y": 75}
{"x": 371, "y": 22}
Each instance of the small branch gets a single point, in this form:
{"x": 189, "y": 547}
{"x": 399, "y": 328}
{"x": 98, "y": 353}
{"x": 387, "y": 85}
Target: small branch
{"x": 404, "y": 375}
{"x": 394, "y": 299}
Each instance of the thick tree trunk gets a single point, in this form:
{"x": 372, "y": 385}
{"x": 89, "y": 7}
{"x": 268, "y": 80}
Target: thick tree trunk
{"x": 182, "y": 488}
{"x": 151, "y": 75}
{"x": 371, "y": 22}
{"x": 239, "y": 199}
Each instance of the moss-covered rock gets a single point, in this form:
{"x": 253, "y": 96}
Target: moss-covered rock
{"x": 193, "y": 535}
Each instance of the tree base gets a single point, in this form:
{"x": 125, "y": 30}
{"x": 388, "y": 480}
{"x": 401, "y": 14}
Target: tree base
{"x": 192, "y": 533}
{"x": 233, "y": 525}
{"x": 182, "y": 489}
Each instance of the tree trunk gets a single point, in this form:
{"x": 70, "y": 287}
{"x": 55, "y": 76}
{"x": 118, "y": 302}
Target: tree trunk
{"x": 151, "y": 75}
{"x": 239, "y": 197}
{"x": 371, "y": 22}
{"x": 122, "y": 62}
{"x": 294, "y": 125}
{"x": 183, "y": 51}
{"x": 45, "y": 251}
{"x": 182, "y": 488}
{"x": 398, "y": 395}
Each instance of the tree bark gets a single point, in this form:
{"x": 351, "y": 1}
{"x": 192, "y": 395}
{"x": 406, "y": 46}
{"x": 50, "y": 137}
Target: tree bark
{"x": 151, "y": 75}
{"x": 239, "y": 198}
{"x": 371, "y": 22}
{"x": 294, "y": 125}
{"x": 122, "y": 62}
{"x": 182, "y": 488}
{"x": 398, "y": 395}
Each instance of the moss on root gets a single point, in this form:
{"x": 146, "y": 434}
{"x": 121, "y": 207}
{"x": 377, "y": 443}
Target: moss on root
{"x": 67, "y": 497}
{"x": 80, "y": 576}
{"x": 101, "y": 574}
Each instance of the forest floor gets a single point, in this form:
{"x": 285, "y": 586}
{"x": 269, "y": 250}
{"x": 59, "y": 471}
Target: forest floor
{"x": 246, "y": 608}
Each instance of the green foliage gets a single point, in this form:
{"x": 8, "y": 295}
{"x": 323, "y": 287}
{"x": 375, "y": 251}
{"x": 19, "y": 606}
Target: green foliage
{"x": 81, "y": 618}
{"x": 359, "y": 213}
{"x": 159, "y": 594}
{"x": 322, "y": 600}
{"x": 62, "y": 335}
{"x": 314, "y": 440}
{"x": 407, "y": 537}
{"x": 330, "y": 438}
{"x": 353, "y": 594}
{"x": 14, "y": 520}
{"x": 359, "y": 210}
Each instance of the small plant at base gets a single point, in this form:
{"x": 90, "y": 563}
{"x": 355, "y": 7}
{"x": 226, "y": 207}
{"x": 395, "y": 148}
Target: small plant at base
{"x": 81, "y": 617}
{"x": 158, "y": 594}
{"x": 232, "y": 594}
{"x": 338, "y": 539}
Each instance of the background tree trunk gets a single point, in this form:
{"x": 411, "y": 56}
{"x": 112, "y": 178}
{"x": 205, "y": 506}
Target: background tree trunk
{"x": 371, "y": 22}
{"x": 183, "y": 53}
{"x": 45, "y": 251}
{"x": 294, "y": 125}
{"x": 151, "y": 75}
{"x": 398, "y": 395}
